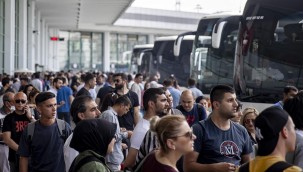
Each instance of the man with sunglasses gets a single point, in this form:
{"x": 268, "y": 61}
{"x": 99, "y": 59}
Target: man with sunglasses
{"x": 13, "y": 126}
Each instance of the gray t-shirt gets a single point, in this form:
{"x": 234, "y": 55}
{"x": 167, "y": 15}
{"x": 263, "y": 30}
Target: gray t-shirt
{"x": 215, "y": 145}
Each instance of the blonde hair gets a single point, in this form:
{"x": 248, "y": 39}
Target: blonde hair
{"x": 168, "y": 127}
{"x": 247, "y": 111}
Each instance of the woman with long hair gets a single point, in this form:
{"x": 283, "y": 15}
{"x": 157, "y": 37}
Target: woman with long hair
{"x": 175, "y": 139}
{"x": 247, "y": 120}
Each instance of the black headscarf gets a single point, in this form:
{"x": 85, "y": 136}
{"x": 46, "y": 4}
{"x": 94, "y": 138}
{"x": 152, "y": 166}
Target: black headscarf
{"x": 93, "y": 134}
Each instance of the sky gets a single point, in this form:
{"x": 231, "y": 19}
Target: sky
{"x": 203, "y": 6}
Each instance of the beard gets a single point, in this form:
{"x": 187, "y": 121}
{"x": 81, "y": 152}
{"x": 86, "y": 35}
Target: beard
{"x": 119, "y": 86}
{"x": 162, "y": 113}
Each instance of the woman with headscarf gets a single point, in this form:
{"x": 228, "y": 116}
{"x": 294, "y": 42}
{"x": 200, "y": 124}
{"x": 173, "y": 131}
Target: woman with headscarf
{"x": 93, "y": 139}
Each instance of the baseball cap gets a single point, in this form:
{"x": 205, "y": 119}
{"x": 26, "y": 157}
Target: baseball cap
{"x": 268, "y": 125}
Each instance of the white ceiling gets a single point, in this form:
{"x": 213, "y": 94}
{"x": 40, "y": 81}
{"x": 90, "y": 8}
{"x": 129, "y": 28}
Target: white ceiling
{"x": 71, "y": 14}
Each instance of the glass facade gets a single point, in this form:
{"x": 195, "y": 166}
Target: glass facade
{"x": 119, "y": 44}
{"x": 81, "y": 51}
{"x": 2, "y": 19}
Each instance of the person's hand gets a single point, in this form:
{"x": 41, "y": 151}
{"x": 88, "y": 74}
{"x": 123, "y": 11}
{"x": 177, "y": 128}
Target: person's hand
{"x": 28, "y": 112}
{"x": 62, "y": 103}
{"x": 124, "y": 146}
{"x": 123, "y": 129}
{"x": 225, "y": 167}
{"x": 129, "y": 134}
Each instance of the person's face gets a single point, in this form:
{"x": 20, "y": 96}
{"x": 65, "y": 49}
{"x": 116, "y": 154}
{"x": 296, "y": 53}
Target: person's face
{"x": 187, "y": 102}
{"x": 291, "y": 140}
{"x": 169, "y": 99}
{"x": 185, "y": 141}
{"x": 110, "y": 147}
{"x": 238, "y": 116}
{"x": 29, "y": 89}
{"x": 123, "y": 109}
{"x": 161, "y": 105}
{"x": 92, "y": 83}
{"x": 139, "y": 79}
{"x": 227, "y": 107}
{"x": 204, "y": 103}
{"x": 58, "y": 84}
{"x": 290, "y": 95}
{"x": 48, "y": 108}
{"x": 10, "y": 103}
{"x": 249, "y": 122}
{"x": 119, "y": 83}
{"x": 20, "y": 101}
{"x": 91, "y": 112}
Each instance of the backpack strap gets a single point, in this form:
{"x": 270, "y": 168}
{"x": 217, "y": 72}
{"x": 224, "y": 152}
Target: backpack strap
{"x": 244, "y": 167}
{"x": 31, "y": 130}
{"x": 62, "y": 130}
{"x": 279, "y": 166}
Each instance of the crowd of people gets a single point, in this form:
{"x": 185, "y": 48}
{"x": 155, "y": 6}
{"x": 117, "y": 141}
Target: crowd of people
{"x": 116, "y": 122}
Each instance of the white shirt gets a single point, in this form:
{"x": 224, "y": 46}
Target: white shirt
{"x": 139, "y": 132}
{"x": 69, "y": 153}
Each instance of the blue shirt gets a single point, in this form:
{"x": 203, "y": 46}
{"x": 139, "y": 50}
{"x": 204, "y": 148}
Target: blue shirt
{"x": 215, "y": 145}
{"x": 63, "y": 95}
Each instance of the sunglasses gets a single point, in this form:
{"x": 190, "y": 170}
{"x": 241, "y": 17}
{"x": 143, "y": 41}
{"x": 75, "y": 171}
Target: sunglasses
{"x": 188, "y": 134}
{"x": 248, "y": 121}
{"x": 20, "y": 101}
{"x": 117, "y": 80}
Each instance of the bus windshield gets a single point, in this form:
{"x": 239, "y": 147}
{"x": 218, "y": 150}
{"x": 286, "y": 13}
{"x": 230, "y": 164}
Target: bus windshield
{"x": 269, "y": 53}
{"x": 212, "y": 66}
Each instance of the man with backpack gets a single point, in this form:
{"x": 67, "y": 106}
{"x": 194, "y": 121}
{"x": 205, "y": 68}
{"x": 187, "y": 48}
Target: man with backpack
{"x": 43, "y": 140}
{"x": 275, "y": 133}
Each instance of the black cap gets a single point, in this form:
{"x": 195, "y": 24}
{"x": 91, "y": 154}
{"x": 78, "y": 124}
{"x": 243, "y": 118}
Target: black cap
{"x": 268, "y": 125}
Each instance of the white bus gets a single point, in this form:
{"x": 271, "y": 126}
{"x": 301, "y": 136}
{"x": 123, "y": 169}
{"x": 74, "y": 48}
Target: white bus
{"x": 135, "y": 56}
{"x": 212, "y": 65}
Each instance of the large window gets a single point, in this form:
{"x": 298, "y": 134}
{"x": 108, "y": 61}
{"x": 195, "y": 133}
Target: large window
{"x": 2, "y": 18}
{"x": 81, "y": 51}
{"x": 121, "y": 43}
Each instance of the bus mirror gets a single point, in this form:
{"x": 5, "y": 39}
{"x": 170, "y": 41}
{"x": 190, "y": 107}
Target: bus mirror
{"x": 160, "y": 59}
{"x": 139, "y": 62}
{"x": 177, "y": 46}
{"x": 217, "y": 34}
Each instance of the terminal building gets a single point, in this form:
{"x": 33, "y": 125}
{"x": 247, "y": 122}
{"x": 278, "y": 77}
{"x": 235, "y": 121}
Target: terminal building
{"x": 88, "y": 35}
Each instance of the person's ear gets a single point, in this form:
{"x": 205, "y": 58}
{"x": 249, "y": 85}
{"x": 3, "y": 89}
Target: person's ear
{"x": 284, "y": 132}
{"x": 216, "y": 104}
{"x": 81, "y": 115}
{"x": 171, "y": 144}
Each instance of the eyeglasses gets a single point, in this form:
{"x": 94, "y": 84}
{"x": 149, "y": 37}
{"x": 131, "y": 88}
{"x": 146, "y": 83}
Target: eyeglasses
{"x": 248, "y": 121}
{"x": 20, "y": 101}
{"x": 188, "y": 134}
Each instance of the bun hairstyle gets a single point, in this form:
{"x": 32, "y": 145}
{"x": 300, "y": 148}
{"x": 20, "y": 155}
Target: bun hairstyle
{"x": 168, "y": 127}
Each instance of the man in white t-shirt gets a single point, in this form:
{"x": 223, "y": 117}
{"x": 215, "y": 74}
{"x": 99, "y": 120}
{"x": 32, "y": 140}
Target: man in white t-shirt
{"x": 155, "y": 104}
{"x": 83, "y": 107}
